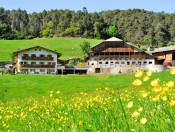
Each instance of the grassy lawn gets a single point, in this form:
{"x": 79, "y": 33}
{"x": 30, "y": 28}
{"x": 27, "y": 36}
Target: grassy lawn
{"x": 87, "y": 103}
{"x": 69, "y": 47}
{"x": 24, "y": 86}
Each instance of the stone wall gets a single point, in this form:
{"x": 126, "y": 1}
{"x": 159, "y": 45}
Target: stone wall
{"x": 126, "y": 69}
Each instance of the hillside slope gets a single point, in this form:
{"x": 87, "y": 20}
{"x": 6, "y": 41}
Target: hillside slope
{"x": 69, "y": 47}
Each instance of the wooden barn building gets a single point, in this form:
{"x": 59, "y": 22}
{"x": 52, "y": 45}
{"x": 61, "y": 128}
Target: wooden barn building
{"x": 165, "y": 54}
{"x": 112, "y": 54}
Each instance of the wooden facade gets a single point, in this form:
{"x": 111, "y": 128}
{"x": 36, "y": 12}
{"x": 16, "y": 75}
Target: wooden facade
{"x": 165, "y": 54}
{"x": 117, "y": 50}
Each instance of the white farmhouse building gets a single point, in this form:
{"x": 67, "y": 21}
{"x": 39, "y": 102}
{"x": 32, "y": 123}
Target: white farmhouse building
{"x": 36, "y": 59}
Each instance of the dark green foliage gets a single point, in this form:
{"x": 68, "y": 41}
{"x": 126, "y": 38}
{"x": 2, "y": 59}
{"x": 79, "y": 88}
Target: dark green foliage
{"x": 112, "y": 31}
{"x": 138, "y": 26}
{"x": 8, "y": 71}
{"x": 85, "y": 46}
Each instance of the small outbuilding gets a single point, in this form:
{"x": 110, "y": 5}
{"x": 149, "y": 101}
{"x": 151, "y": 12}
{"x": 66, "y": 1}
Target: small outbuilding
{"x": 165, "y": 54}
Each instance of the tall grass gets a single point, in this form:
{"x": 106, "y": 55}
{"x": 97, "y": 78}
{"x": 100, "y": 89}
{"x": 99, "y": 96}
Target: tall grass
{"x": 139, "y": 108}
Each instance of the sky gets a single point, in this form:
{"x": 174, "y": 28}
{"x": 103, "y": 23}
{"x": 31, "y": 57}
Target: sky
{"x": 167, "y": 6}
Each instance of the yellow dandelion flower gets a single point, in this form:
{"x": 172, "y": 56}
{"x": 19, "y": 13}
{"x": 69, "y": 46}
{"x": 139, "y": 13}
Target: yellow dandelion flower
{"x": 172, "y": 71}
{"x": 144, "y": 94}
{"x": 155, "y": 82}
{"x": 170, "y": 84}
{"x": 157, "y": 88}
{"x": 164, "y": 98}
{"x": 59, "y": 128}
{"x": 107, "y": 89}
{"x": 56, "y": 101}
{"x": 23, "y": 115}
{"x": 140, "y": 109}
{"x": 149, "y": 73}
{"x": 155, "y": 98}
{"x": 130, "y": 104}
{"x": 58, "y": 92}
{"x": 165, "y": 88}
{"x": 146, "y": 78}
{"x": 51, "y": 95}
{"x": 138, "y": 74}
{"x": 143, "y": 121}
{"x": 137, "y": 82}
{"x": 172, "y": 103}
{"x": 135, "y": 114}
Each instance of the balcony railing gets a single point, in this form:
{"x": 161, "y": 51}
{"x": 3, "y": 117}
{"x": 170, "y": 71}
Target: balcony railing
{"x": 118, "y": 57}
{"x": 37, "y": 58}
{"x": 37, "y": 66}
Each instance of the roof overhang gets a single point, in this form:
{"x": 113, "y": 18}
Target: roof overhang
{"x": 16, "y": 52}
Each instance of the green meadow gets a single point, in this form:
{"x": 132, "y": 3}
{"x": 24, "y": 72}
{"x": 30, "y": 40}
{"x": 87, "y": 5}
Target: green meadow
{"x": 81, "y": 103}
{"x": 68, "y": 47}
{"x": 24, "y": 86}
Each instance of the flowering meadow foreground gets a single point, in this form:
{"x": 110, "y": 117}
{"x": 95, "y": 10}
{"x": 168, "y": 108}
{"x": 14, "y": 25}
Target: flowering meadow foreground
{"x": 135, "y": 109}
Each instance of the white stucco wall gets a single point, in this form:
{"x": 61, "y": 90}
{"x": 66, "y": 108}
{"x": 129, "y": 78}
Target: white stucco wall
{"x": 37, "y": 53}
{"x": 114, "y": 63}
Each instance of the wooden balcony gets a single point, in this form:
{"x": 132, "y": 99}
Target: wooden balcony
{"x": 118, "y": 57}
{"x": 37, "y": 58}
{"x": 37, "y": 66}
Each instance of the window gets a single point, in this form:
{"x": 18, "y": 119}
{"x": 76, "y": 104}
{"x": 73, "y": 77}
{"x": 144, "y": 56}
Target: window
{"x": 128, "y": 63}
{"x": 33, "y": 55}
{"x": 92, "y": 64}
{"x": 42, "y": 70}
{"x": 49, "y": 56}
{"x": 122, "y": 63}
{"x": 24, "y": 70}
{"x": 117, "y": 62}
{"x": 49, "y": 63}
{"x": 42, "y": 55}
{"x": 53, "y": 63}
{"x": 97, "y": 70}
{"x": 133, "y": 63}
{"x": 144, "y": 62}
{"x": 21, "y": 63}
{"x": 52, "y": 70}
{"x": 25, "y": 63}
{"x": 112, "y": 62}
{"x": 32, "y": 70}
{"x": 41, "y": 63}
{"x": 33, "y": 63}
{"x": 100, "y": 62}
{"x": 106, "y": 63}
{"x": 25, "y": 55}
{"x": 139, "y": 62}
{"x": 150, "y": 62}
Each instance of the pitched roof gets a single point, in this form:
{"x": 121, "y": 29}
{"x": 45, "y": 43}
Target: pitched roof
{"x": 114, "y": 39}
{"x": 59, "y": 54}
{"x": 168, "y": 48}
{"x": 140, "y": 50}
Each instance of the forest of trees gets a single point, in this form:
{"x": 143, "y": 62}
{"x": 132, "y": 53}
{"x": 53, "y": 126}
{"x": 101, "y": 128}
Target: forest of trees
{"x": 137, "y": 26}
